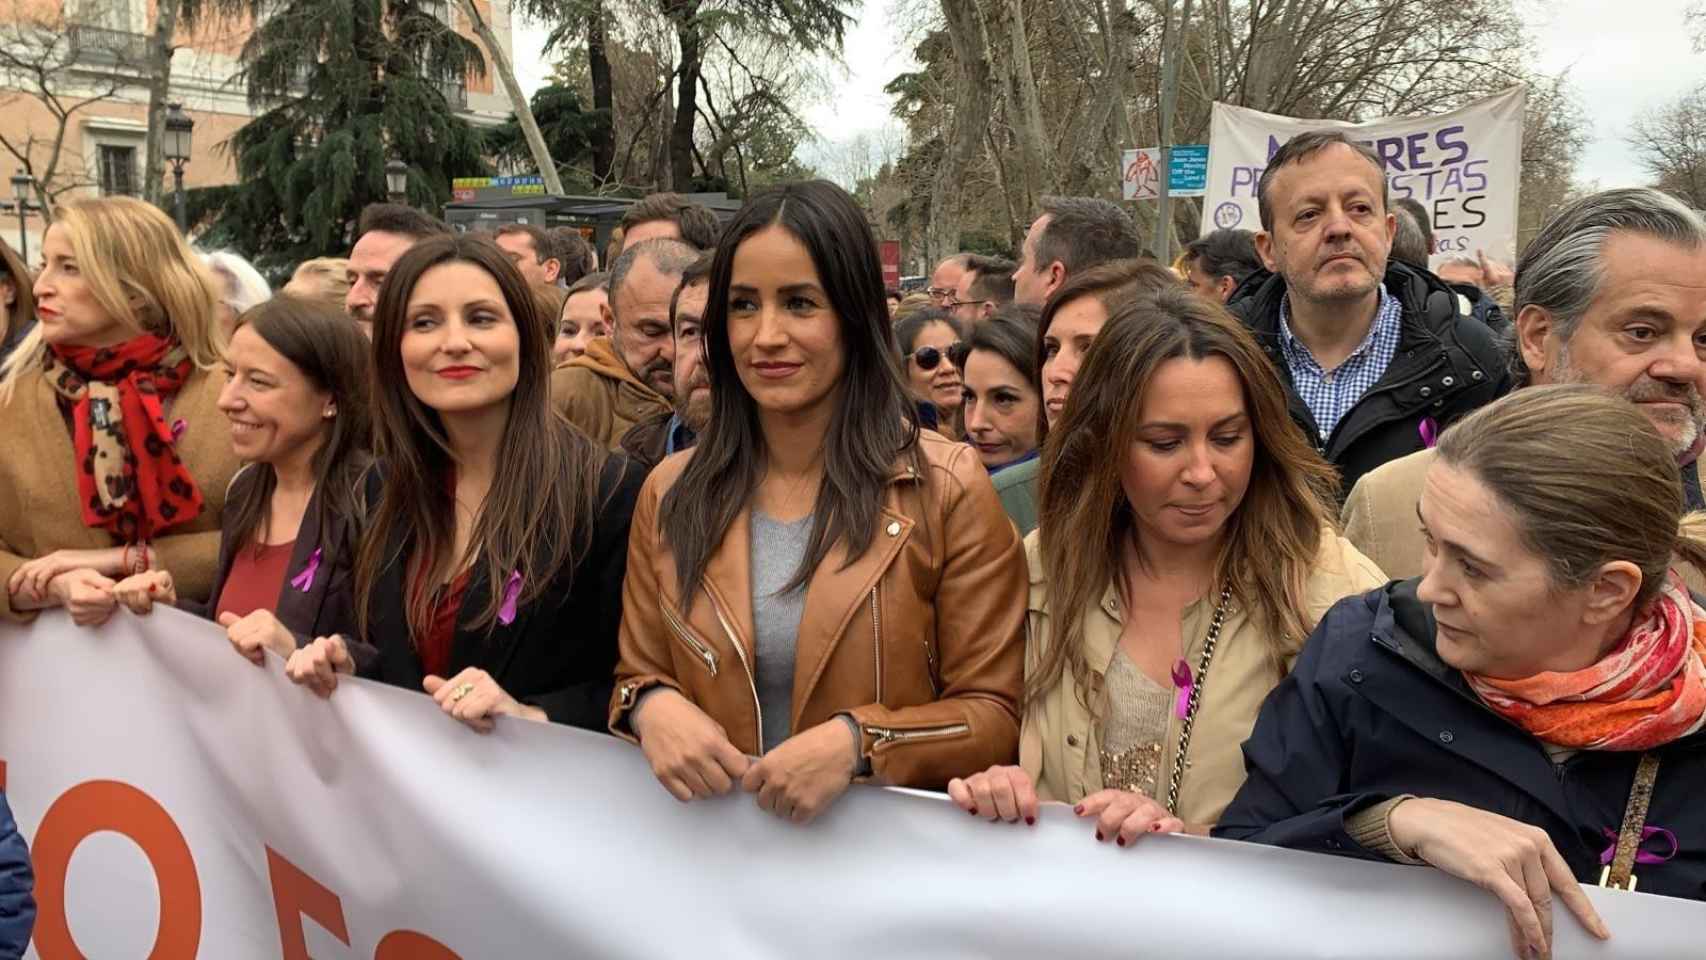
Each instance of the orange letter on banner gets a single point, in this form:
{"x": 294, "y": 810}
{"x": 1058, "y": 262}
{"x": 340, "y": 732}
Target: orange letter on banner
{"x": 99, "y": 805}
{"x": 409, "y": 945}
{"x": 296, "y": 895}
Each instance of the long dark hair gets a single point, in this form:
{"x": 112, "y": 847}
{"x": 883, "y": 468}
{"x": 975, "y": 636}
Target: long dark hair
{"x": 536, "y": 518}
{"x": 23, "y": 311}
{"x": 874, "y": 427}
{"x": 319, "y": 340}
{"x": 1271, "y": 541}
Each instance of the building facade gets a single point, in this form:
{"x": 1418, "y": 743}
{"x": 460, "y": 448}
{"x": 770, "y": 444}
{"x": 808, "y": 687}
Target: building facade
{"x": 94, "y": 76}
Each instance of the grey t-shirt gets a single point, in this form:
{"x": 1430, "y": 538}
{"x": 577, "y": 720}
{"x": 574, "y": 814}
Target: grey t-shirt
{"x": 777, "y": 549}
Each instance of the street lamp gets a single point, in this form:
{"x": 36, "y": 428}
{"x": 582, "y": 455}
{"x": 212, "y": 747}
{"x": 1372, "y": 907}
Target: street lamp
{"x": 176, "y": 148}
{"x": 397, "y": 181}
{"x": 23, "y": 187}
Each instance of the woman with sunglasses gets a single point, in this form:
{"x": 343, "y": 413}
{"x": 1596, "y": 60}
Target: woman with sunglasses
{"x": 1003, "y": 411}
{"x": 927, "y": 340}
{"x": 1187, "y": 547}
{"x": 818, "y": 584}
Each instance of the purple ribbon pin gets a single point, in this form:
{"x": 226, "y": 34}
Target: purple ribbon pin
{"x": 1641, "y": 856}
{"x": 1429, "y": 430}
{"x": 1182, "y": 680}
{"x": 304, "y": 581}
{"x": 512, "y": 594}
{"x": 178, "y": 428}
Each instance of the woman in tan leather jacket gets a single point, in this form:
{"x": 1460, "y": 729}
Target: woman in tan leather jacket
{"x": 818, "y": 592}
{"x": 1148, "y": 658}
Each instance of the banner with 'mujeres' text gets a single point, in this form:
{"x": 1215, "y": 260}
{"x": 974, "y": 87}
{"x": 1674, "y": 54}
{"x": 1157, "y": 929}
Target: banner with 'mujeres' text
{"x": 182, "y": 802}
{"x": 1464, "y": 166}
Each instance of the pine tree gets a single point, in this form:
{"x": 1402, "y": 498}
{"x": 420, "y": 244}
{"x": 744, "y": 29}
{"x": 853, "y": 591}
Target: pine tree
{"x": 341, "y": 87}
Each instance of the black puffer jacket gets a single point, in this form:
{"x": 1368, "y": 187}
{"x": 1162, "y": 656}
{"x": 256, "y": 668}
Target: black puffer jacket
{"x": 1447, "y": 365}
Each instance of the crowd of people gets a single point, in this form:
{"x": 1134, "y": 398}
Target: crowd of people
{"x": 1293, "y": 541}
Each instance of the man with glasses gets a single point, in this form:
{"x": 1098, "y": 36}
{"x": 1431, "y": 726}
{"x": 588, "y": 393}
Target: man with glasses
{"x": 985, "y": 287}
{"x": 945, "y": 279}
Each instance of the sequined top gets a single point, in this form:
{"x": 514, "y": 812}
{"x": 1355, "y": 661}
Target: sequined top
{"x": 1134, "y": 723}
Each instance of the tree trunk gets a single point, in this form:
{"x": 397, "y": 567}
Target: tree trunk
{"x": 603, "y": 97}
{"x": 160, "y": 47}
{"x": 1025, "y": 112}
{"x": 686, "y": 95}
{"x": 970, "y": 38}
{"x": 517, "y": 99}
{"x": 1165, "y": 234}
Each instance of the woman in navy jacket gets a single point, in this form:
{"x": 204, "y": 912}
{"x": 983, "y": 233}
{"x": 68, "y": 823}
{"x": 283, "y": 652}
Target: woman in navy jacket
{"x": 17, "y": 884}
{"x": 1497, "y": 717}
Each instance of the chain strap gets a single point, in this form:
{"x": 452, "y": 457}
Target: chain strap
{"x": 1208, "y": 644}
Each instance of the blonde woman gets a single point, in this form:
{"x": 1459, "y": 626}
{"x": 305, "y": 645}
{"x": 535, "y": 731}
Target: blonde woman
{"x": 1185, "y": 550}
{"x": 323, "y": 278}
{"x": 119, "y": 457}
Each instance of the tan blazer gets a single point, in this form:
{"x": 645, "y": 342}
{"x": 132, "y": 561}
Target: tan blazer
{"x": 39, "y": 510}
{"x": 597, "y": 393}
{"x": 1058, "y": 743}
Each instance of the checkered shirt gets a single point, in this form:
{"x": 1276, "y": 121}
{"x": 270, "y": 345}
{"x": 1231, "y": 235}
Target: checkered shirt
{"x": 1330, "y": 394}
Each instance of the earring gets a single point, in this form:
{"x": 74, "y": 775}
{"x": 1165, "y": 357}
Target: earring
{"x": 329, "y": 414}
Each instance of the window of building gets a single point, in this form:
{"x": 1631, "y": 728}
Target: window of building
{"x": 117, "y": 170}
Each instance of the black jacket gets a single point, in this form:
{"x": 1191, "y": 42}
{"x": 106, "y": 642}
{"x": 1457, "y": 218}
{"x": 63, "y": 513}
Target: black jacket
{"x": 17, "y": 888}
{"x": 328, "y": 606}
{"x": 559, "y": 653}
{"x": 1446, "y": 366}
{"x": 1481, "y": 306}
{"x": 1370, "y": 712}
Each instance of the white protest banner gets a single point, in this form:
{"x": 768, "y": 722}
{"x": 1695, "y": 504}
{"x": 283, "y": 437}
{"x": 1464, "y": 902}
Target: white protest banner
{"x": 1465, "y": 167}
{"x": 183, "y": 802}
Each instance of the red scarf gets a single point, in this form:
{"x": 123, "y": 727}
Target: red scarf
{"x": 1648, "y": 691}
{"x": 130, "y": 479}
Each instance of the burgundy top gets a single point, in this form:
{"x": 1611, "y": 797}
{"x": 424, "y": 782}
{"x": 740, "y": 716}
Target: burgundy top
{"x": 434, "y": 648}
{"x": 256, "y": 579}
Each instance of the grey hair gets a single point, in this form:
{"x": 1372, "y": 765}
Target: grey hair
{"x": 670, "y": 257}
{"x": 1561, "y": 270}
{"x": 1461, "y": 261}
{"x": 1410, "y": 245}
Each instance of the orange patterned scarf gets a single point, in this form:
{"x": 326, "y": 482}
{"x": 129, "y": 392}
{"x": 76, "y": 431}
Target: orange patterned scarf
{"x": 1648, "y": 691}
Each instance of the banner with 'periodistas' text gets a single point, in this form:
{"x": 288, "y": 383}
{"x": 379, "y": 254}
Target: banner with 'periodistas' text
{"x": 182, "y": 802}
{"x": 1465, "y": 167}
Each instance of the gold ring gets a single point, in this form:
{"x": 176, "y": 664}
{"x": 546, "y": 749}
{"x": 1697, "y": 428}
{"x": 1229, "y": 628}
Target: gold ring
{"x": 461, "y": 692}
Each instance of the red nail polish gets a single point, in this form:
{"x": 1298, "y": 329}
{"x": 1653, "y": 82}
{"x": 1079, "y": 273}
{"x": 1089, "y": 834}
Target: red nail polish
{"x": 1098, "y": 836}
{"x": 153, "y": 589}
{"x": 1155, "y": 828}
{"x": 1030, "y": 821}
{"x": 1079, "y": 809}
{"x": 1120, "y": 841}
{"x": 973, "y": 811}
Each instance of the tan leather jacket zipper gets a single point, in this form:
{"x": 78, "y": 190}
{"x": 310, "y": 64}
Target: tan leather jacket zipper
{"x": 891, "y": 735}
{"x": 877, "y": 638}
{"x": 751, "y": 680}
{"x": 705, "y": 654}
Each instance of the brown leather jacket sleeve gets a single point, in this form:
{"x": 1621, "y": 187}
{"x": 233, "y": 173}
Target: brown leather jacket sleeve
{"x": 642, "y": 646}
{"x": 980, "y": 644}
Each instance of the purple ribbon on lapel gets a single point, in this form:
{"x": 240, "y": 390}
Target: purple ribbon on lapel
{"x": 304, "y": 581}
{"x": 512, "y": 594}
{"x": 1182, "y": 679}
{"x": 1641, "y": 856}
{"x": 178, "y": 428}
{"x": 1429, "y": 429}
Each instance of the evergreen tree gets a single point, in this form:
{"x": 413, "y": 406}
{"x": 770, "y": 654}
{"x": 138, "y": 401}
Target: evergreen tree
{"x": 341, "y": 87}
{"x": 570, "y": 133}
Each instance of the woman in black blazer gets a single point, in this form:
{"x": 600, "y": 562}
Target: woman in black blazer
{"x": 296, "y": 396}
{"x": 491, "y": 572}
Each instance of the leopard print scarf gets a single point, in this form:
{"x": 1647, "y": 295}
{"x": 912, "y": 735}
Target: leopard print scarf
{"x": 129, "y": 476}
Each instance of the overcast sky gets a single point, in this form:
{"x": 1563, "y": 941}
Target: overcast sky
{"x": 1622, "y": 57}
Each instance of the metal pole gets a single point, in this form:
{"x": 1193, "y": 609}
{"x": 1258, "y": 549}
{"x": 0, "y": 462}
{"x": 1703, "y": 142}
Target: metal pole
{"x": 23, "y": 237}
{"x": 178, "y": 199}
{"x": 1171, "y": 40}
